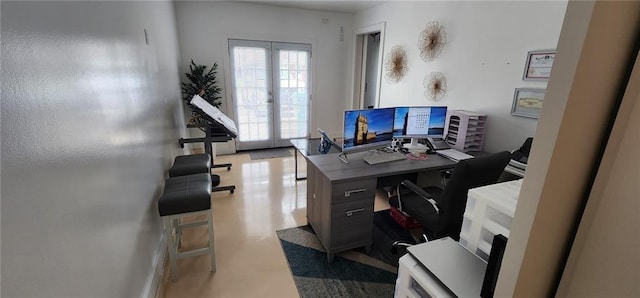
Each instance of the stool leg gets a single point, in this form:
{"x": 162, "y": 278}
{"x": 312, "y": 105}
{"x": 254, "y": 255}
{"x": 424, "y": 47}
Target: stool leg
{"x": 176, "y": 224}
{"x": 170, "y": 246}
{"x": 212, "y": 251}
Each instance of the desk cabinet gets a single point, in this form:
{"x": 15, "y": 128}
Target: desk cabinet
{"x": 341, "y": 213}
{"x": 340, "y": 196}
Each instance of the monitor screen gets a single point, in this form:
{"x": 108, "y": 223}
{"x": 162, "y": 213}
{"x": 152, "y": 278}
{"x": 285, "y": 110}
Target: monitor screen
{"x": 422, "y": 121}
{"x": 365, "y": 129}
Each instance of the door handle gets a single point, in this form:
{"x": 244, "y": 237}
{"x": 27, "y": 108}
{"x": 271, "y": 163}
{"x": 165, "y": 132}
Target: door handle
{"x": 349, "y": 192}
{"x": 351, "y": 212}
{"x": 269, "y": 97}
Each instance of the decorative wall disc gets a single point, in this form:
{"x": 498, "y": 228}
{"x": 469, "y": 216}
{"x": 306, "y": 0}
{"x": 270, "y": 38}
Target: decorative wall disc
{"x": 431, "y": 41}
{"x": 396, "y": 64}
{"x": 435, "y": 85}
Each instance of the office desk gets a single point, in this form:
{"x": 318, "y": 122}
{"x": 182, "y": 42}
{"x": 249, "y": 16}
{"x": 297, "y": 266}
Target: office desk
{"x": 340, "y": 197}
{"x": 307, "y": 147}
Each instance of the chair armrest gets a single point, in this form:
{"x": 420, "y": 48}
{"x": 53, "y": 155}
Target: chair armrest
{"x": 445, "y": 175}
{"x": 419, "y": 191}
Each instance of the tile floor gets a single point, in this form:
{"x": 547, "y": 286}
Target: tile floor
{"x": 250, "y": 261}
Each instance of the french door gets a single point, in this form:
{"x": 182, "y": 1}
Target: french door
{"x": 271, "y": 92}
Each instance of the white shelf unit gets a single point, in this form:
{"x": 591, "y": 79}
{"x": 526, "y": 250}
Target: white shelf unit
{"x": 465, "y": 130}
{"x": 489, "y": 212}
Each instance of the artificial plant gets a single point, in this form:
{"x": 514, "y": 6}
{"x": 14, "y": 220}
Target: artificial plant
{"x": 203, "y": 83}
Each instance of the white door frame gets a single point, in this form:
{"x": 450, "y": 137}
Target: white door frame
{"x": 273, "y": 89}
{"x": 360, "y": 63}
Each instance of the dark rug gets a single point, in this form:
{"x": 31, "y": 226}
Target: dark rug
{"x": 269, "y": 153}
{"x": 353, "y": 273}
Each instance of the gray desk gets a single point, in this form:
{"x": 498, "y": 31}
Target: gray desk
{"x": 340, "y": 197}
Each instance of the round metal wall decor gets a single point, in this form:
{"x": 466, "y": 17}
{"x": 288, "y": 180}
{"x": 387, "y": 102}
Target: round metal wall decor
{"x": 431, "y": 41}
{"x": 435, "y": 85}
{"x": 396, "y": 64}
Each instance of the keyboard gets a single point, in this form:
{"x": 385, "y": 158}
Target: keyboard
{"x": 382, "y": 157}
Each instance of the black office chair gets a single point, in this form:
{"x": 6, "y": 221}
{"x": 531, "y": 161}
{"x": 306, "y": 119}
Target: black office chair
{"x": 440, "y": 211}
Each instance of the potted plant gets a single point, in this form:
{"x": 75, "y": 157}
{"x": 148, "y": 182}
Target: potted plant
{"x": 201, "y": 82}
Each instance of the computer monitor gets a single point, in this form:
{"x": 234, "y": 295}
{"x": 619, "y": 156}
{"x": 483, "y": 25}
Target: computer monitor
{"x": 419, "y": 122}
{"x": 367, "y": 129}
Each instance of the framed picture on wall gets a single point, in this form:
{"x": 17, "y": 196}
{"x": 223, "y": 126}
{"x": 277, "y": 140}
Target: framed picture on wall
{"x": 527, "y": 102}
{"x": 538, "y": 66}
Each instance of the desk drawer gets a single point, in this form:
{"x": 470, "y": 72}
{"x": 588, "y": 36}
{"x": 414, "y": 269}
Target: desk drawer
{"x": 353, "y": 190}
{"x": 351, "y": 223}
{"x": 352, "y": 209}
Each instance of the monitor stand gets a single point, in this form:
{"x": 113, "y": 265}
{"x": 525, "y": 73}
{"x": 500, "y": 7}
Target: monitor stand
{"x": 414, "y": 146}
{"x": 343, "y": 157}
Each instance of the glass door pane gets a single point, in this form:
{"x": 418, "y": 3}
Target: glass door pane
{"x": 251, "y": 93}
{"x": 292, "y": 75}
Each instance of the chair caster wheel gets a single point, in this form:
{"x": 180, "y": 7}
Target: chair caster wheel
{"x": 232, "y": 191}
{"x": 228, "y": 168}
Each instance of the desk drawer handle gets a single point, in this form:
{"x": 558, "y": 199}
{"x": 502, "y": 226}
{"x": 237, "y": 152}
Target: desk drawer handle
{"x": 351, "y": 212}
{"x": 349, "y": 192}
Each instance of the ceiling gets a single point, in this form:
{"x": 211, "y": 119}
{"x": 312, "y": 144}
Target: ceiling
{"x": 335, "y": 6}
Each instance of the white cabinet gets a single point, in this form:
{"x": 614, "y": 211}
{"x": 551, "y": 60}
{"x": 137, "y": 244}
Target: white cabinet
{"x": 489, "y": 212}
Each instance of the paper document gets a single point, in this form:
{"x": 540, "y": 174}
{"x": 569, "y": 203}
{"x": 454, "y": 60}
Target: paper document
{"x": 214, "y": 113}
{"x": 454, "y": 154}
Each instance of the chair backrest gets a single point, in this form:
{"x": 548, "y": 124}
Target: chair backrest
{"x": 469, "y": 173}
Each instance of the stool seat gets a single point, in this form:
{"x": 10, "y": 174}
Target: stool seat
{"x": 185, "y": 194}
{"x": 190, "y": 164}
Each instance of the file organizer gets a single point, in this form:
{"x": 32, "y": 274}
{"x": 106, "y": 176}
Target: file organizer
{"x": 465, "y": 130}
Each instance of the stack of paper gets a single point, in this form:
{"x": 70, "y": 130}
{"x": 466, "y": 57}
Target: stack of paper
{"x": 453, "y": 154}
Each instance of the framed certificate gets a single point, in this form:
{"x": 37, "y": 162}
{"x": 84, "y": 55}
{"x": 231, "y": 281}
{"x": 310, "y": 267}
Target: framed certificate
{"x": 527, "y": 102}
{"x": 538, "y": 66}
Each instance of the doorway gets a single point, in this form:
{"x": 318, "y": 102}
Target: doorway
{"x": 371, "y": 66}
{"x": 368, "y": 66}
{"x": 271, "y": 92}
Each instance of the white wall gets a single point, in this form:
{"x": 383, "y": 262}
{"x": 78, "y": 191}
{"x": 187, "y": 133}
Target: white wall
{"x": 205, "y": 27}
{"x": 483, "y": 60}
{"x": 90, "y": 120}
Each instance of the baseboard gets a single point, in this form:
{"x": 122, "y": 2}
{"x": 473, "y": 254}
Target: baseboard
{"x": 154, "y": 279}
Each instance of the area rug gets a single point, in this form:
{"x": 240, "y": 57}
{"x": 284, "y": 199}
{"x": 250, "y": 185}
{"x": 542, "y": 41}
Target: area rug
{"x": 352, "y": 273}
{"x": 269, "y": 153}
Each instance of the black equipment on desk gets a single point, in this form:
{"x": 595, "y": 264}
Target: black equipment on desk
{"x": 437, "y": 144}
{"x": 325, "y": 143}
